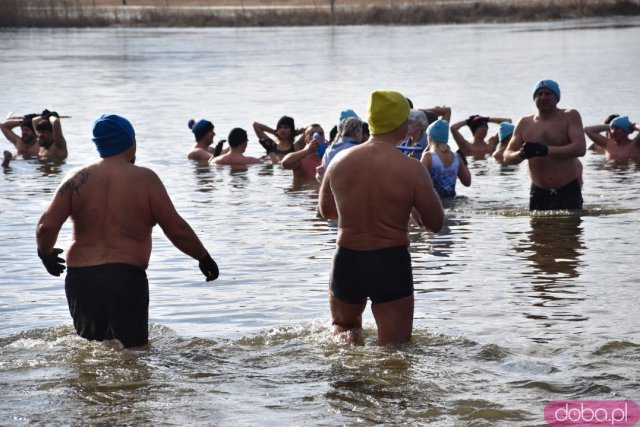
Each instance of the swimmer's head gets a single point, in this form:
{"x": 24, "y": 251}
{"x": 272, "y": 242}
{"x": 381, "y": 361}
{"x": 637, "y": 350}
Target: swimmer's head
{"x": 549, "y": 85}
{"x": 237, "y": 137}
{"x": 419, "y": 119}
{"x": 477, "y": 122}
{"x": 200, "y": 128}
{"x": 438, "y": 131}
{"x": 387, "y": 111}
{"x": 112, "y": 135}
{"x": 621, "y": 123}
{"x": 351, "y": 127}
{"x": 505, "y": 131}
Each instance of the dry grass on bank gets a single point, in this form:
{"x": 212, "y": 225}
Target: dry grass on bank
{"x": 226, "y": 13}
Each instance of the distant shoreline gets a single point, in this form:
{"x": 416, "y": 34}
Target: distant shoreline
{"x": 181, "y": 13}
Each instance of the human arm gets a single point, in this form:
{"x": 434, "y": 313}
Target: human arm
{"x": 292, "y": 160}
{"x": 177, "y": 230}
{"x": 427, "y": 208}
{"x": 577, "y": 146}
{"x": 497, "y": 120}
{"x": 463, "y": 172}
{"x": 594, "y": 134}
{"x": 457, "y": 136}
{"x": 511, "y": 155}
{"x": 49, "y": 226}
{"x": 7, "y": 131}
{"x": 262, "y": 130}
{"x": 326, "y": 200}
{"x": 58, "y": 137}
{"x": 440, "y": 111}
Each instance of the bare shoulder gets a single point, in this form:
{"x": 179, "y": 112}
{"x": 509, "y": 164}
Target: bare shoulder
{"x": 75, "y": 180}
{"x": 571, "y": 113}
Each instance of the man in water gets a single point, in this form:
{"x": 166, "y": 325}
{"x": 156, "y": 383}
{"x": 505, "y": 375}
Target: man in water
{"x": 304, "y": 162}
{"x": 373, "y": 189}
{"x": 616, "y": 143}
{"x": 25, "y": 143}
{"x": 238, "y": 140}
{"x": 552, "y": 140}
{"x": 114, "y": 206}
{"x": 52, "y": 144}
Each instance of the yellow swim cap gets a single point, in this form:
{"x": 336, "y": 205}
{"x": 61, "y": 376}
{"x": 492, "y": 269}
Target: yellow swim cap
{"x": 387, "y": 110}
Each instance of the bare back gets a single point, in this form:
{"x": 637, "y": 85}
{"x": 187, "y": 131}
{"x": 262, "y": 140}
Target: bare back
{"x": 111, "y": 209}
{"x": 375, "y": 188}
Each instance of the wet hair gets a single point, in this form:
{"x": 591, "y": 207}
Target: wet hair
{"x": 200, "y": 128}
{"x": 44, "y": 125}
{"x": 610, "y": 117}
{"x": 365, "y": 131}
{"x": 333, "y": 133}
{"x": 27, "y": 121}
{"x": 237, "y": 137}
{"x": 350, "y": 126}
{"x": 420, "y": 118}
{"x": 290, "y": 123}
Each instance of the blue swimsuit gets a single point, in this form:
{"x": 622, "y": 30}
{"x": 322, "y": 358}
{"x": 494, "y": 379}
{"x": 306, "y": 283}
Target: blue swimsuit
{"x": 444, "y": 177}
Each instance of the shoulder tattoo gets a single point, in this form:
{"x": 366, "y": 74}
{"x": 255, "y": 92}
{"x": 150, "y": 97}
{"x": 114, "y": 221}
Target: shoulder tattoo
{"x": 75, "y": 182}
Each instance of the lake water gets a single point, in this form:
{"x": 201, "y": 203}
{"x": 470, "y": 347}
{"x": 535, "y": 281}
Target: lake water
{"x": 512, "y": 309}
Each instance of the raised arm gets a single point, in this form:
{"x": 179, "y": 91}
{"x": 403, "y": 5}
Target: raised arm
{"x": 457, "y": 136}
{"x": 498, "y": 120}
{"x": 58, "y": 137}
{"x": 262, "y": 130}
{"x": 594, "y": 134}
{"x": 440, "y": 111}
{"x": 292, "y": 160}
{"x": 7, "y": 131}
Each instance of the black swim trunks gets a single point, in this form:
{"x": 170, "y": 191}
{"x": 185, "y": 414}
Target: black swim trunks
{"x": 568, "y": 197}
{"x": 381, "y": 275}
{"x": 109, "y": 301}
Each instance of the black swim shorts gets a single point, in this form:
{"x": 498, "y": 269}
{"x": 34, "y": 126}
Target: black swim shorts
{"x": 109, "y": 301}
{"x": 568, "y": 197}
{"x": 381, "y": 275}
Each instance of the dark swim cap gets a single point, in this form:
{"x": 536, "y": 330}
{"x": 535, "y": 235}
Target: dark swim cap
{"x": 27, "y": 121}
{"x": 112, "y": 135}
{"x": 200, "y": 128}
{"x": 476, "y": 122}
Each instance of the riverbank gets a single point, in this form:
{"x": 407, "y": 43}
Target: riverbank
{"x": 227, "y": 13}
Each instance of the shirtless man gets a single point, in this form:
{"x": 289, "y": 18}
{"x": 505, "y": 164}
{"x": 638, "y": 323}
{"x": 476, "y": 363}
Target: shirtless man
{"x": 114, "y": 206}
{"x": 616, "y": 145}
{"x": 52, "y": 144}
{"x": 552, "y": 140}
{"x": 304, "y": 162}
{"x": 203, "y": 132}
{"x": 479, "y": 126}
{"x": 25, "y": 143}
{"x": 235, "y": 156}
{"x": 373, "y": 189}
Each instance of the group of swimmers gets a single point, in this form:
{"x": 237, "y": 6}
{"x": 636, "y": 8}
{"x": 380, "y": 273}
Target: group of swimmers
{"x": 374, "y": 185}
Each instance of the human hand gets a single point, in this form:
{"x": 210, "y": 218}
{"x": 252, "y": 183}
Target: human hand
{"x": 533, "y": 149}
{"x": 52, "y": 262}
{"x": 209, "y": 267}
{"x": 218, "y": 149}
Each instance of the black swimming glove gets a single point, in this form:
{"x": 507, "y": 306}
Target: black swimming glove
{"x": 463, "y": 156}
{"x": 533, "y": 149}
{"x": 45, "y": 114}
{"x": 55, "y": 114}
{"x": 209, "y": 267}
{"x": 218, "y": 149}
{"x": 52, "y": 262}
{"x": 268, "y": 145}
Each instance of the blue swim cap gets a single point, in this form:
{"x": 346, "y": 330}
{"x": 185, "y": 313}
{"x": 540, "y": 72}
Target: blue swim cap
{"x": 622, "y": 123}
{"x": 201, "y": 128}
{"x": 439, "y": 131}
{"x": 346, "y": 114}
{"x": 505, "y": 130}
{"x": 112, "y": 135}
{"x": 547, "y": 84}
